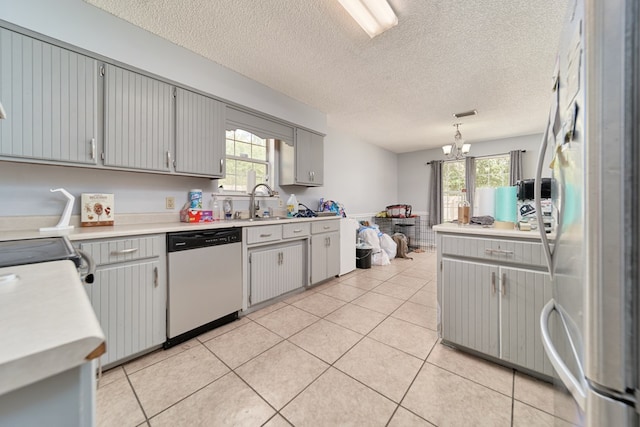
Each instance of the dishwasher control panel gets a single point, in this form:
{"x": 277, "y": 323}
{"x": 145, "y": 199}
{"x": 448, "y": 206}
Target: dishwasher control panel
{"x": 186, "y": 240}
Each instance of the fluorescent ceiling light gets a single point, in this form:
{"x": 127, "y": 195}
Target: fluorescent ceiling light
{"x": 374, "y": 16}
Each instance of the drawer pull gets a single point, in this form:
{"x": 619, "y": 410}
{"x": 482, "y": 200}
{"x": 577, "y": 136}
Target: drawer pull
{"x": 124, "y": 251}
{"x": 326, "y": 227}
{"x": 498, "y": 252}
{"x": 297, "y": 230}
{"x": 266, "y": 235}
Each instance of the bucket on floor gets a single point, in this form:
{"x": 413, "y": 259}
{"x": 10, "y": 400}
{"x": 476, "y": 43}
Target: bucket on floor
{"x": 363, "y": 256}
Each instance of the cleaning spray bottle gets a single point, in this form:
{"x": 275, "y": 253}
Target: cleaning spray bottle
{"x": 292, "y": 206}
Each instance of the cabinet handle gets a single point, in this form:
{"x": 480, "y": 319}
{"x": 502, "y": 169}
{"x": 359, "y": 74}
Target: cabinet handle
{"x": 504, "y": 284}
{"x": 298, "y": 230}
{"x": 313, "y": 176}
{"x": 155, "y": 277}
{"x": 493, "y": 283}
{"x": 310, "y": 176}
{"x": 266, "y": 235}
{"x": 93, "y": 148}
{"x": 498, "y": 252}
{"x": 124, "y": 251}
{"x": 329, "y": 241}
{"x": 326, "y": 227}
{"x": 221, "y": 165}
{"x": 169, "y": 159}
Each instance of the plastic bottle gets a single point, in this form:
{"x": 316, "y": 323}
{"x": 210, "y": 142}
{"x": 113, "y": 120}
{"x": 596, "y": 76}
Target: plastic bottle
{"x": 463, "y": 209}
{"x": 292, "y": 206}
{"x": 215, "y": 208}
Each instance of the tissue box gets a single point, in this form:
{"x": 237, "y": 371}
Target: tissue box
{"x": 196, "y": 215}
{"x": 96, "y": 210}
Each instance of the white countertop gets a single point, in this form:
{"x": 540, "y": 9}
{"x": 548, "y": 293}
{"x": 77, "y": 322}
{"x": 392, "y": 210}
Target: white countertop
{"x": 48, "y": 324}
{"x": 85, "y": 233}
{"x": 488, "y": 231}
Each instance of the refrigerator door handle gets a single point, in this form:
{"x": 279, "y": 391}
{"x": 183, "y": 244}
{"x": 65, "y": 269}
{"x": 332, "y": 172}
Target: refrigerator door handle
{"x": 573, "y": 385}
{"x": 537, "y": 195}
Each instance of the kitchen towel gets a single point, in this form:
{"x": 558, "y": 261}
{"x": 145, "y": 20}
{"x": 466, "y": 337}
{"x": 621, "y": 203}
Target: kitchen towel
{"x": 506, "y": 204}
{"x": 485, "y": 200}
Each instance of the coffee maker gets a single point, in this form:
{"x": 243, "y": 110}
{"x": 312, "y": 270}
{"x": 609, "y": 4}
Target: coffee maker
{"x": 526, "y": 204}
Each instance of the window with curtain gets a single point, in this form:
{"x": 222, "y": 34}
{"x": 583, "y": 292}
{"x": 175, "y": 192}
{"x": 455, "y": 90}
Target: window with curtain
{"x": 245, "y": 151}
{"x": 490, "y": 171}
{"x": 453, "y": 182}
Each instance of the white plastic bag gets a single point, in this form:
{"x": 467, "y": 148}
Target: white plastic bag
{"x": 370, "y": 236}
{"x": 388, "y": 245}
{"x": 380, "y": 258}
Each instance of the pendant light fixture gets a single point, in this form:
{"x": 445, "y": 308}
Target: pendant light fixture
{"x": 457, "y": 149}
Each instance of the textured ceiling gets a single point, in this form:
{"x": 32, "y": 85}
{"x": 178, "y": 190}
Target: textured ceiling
{"x": 397, "y": 90}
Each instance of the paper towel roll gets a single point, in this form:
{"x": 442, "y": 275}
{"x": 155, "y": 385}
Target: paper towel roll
{"x": 485, "y": 199}
{"x": 251, "y": 180}
{"x": 506, "y": 204}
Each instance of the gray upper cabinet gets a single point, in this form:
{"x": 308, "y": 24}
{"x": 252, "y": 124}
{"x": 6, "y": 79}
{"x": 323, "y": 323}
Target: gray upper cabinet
{"x": 139, "y": 119}
{"x": 50, "y": 96}
{"x": 302, "y": 163}
{"x": 200, "y": 135}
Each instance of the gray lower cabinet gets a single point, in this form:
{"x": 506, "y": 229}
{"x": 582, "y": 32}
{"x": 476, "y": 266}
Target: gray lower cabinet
{"x": 129, "y": 293}
{"x": 274, "y": 271}
{"x": 200, "y": 135}
{"x": 325, "y": 250}
{"x": 138, "y": 121}
{"x": 50, "y": 95}
{"x": 491, "y": 293}
{"x": 470, "y": 305}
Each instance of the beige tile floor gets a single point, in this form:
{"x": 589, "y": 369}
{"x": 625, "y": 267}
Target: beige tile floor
{"x": 359, "y": 350}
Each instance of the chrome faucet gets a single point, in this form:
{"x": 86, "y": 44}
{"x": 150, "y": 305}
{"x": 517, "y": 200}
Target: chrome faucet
{"x": 252, "y": 200}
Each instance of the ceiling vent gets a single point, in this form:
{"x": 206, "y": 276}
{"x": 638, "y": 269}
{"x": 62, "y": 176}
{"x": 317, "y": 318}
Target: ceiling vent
{"x": 465, "y": 114}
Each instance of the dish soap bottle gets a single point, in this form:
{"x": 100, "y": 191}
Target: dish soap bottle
{"x": 215, "y": 208}
{"x": 463, "y": 209}
{"x": 292, "y": 206}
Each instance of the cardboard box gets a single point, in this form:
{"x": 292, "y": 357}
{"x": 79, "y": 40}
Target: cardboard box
{"x": 196, "y": 215}
{"x": 96, "y": 209}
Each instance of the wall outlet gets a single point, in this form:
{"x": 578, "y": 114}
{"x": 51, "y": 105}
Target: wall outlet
{"x": 170, "y": 202}
{"x": 280, "y": 202}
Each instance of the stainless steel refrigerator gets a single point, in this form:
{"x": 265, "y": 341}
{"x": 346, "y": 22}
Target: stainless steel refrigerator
{"x": 590, "y": 327}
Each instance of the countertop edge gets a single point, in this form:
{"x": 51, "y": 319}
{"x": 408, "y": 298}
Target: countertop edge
{"x": 87, "y": 233}
{"x": 478, "y": 230}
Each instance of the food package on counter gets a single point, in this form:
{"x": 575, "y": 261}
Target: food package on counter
{"x": 399, "y": 211}
{"x": 96, "y": 209}
{"x": 195, "y": 215}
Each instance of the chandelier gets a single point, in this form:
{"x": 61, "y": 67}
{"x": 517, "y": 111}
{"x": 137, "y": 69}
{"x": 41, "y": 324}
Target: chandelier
{"x": 457, "y": 149}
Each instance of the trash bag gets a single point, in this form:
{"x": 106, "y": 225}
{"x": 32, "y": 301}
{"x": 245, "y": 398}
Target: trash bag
{"x": 370, "y": 236}
{"x": 388, "y": 245}
{"x": 380, "y": 258}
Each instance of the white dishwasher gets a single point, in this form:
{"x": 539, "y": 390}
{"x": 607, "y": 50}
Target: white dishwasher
{"x": 205, "y": 281}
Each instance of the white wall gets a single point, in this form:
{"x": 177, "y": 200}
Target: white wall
{"x": 414, "y": 176}
{"x": 361, "y": 176}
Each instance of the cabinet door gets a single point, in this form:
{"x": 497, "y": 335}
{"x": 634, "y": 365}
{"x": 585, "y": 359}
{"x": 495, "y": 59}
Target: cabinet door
{"x": 130, "y": 304}
{"x": 309, "y": 158}
{"x": 333, "y": 254}
{"x": 139, "y": 120}
{"x": 275, "y": 271}
{"x": 50, "y": 97}
{"x": 319, "y": 258}
{"x": 199, "y": 134}
{"x": 470, "y": 305}
{"x": 325, "y": 256}
{"x": 523, "y": 294}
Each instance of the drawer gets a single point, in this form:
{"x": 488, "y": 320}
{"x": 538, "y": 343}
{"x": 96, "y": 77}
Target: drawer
{"x": 266, "y": 233}
{"x": 502, "y": 250}
{"x": 324, "y": 226}
{"x": 296, "y": 229}
{"x": 121, "y": 250}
